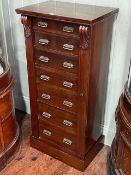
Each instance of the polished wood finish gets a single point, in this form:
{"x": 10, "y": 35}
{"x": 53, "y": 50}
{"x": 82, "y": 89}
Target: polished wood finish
{"x": 56, "y": 61}
{"x": 9, "y": 130}
{"x": 70, "y": 12}
{"x": 68, "y": 61}
{"x": 29, "y": 161}
{"x": 120, "y": 157}
{"x": 56, "y": 27}
{"x": 66, "y": 121}
{"x": 59, "y": 79}
{"x": 57, "y": 43}
{"x": 57, "y": 98}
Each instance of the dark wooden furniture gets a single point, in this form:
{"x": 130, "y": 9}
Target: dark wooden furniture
{"x": 9, "y": 130}
{"x": 120, "y": 156}
{"x": 68, "y": 51}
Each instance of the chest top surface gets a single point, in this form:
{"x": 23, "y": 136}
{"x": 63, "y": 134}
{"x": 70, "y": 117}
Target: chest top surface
{"x": 68, "y": 11}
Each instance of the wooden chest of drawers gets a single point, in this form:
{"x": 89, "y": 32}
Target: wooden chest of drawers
{"x": 68, "y": 51}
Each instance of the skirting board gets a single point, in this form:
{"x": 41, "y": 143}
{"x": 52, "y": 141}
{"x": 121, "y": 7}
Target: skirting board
{"x": 23, "y": 104}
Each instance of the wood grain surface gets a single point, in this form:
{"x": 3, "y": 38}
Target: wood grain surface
{"x": 29, "y": 161}
{"x": 120, "y": 156}
{"x": 84, "y": 39}
{"x": 9, "y": 130}
{"x": 63, "y": 10}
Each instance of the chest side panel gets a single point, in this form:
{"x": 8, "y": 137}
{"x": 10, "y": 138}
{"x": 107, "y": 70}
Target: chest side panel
{"x": 99, "y": 69}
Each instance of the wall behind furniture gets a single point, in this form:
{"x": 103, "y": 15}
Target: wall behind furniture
{"x": 3, "y": 50}
{"x": 16, "y": 50}
{"x": 118, "y": 65}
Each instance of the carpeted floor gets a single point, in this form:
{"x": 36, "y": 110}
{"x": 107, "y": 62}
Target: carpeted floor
{"x": 29, "y": 161}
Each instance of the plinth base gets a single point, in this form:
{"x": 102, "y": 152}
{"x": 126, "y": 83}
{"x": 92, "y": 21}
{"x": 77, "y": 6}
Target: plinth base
{"x": 70, "y": 160}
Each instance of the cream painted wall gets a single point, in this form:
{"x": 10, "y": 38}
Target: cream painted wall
{"x": 120, "y": 55}
{"x": 3, "y": 51}
{"x": 16, "y": 50}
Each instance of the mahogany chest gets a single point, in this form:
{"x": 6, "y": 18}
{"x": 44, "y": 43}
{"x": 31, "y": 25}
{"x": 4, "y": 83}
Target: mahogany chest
{"x": 68, "y": 52}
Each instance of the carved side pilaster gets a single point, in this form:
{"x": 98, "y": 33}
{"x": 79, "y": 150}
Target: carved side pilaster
{"x": 84, "y": 36}
{"x": 26, "y": 21}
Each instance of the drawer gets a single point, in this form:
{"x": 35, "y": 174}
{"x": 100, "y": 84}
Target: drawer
{"x": 58, "y": 43}
{"x": 64, "y": 120}
{"x": 52, "y": 134}
{"x": 59, "y": 62}
{"x": 55, "y": 26}
{"x": 53, "y": 77}
{"x": 57, "y": 98}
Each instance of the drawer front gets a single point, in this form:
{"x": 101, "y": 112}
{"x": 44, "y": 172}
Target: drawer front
{"x": 61, "y": 44}
{"x": 57, "y": 78}
{"x": 55, "y": 27}
{"x": 64, "y": 120}
{"x": 51, "y": 133}
{"x": 59, "y": 62}
{"x": 57, "y": 98}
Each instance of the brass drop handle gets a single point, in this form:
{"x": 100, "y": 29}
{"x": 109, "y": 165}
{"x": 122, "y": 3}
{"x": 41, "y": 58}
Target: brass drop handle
{"x": 42, "y": 24}
{"x": 46, "y": 115}
{"x": 44, "y": 41}
{"x": 68, "y": 65}
{"x": 68, "y": 29}
{"x": 67, "y": 103}
{"x": 67, "y": 141}
{"x": 68, "y": 47}
{"x": 67, "y": 123}
{"x": 45, "y": 77}
{"x": 46, "y": 96}
{"x": 44, "y": 59}
{"x": 67, "y": 84}
{"x": 46, "y": 132}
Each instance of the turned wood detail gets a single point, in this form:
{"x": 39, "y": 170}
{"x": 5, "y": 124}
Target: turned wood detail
{"x": 124, "y": 138}
{"x": 9, "y": 129}
{"x": 1, "y": 136}
{"x": 84, "y": 35}
{"x": 27, "y": 25}
{"x": 120, "y": 157}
